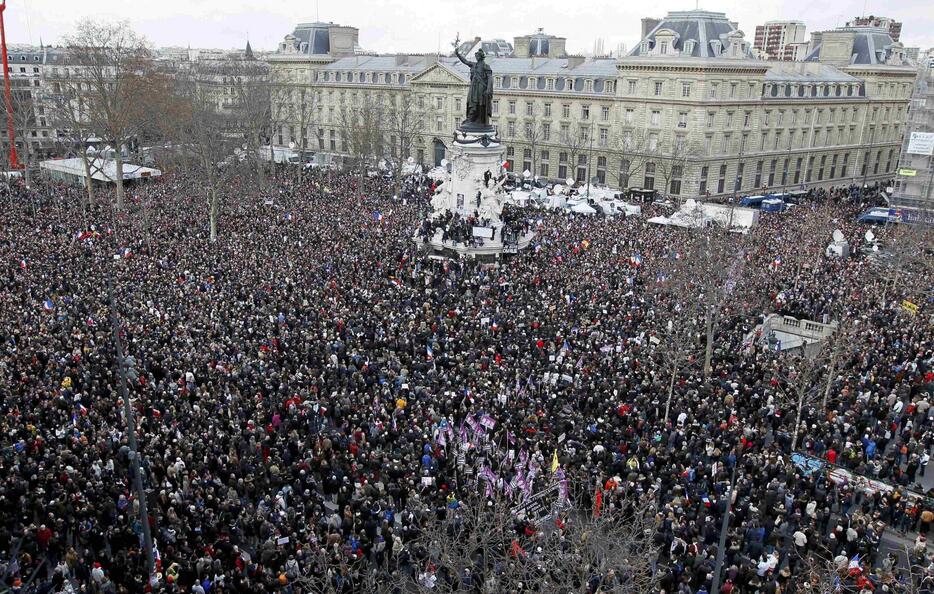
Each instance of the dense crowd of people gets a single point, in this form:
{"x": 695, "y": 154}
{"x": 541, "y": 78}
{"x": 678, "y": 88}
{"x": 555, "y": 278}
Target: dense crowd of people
{"x": 313, "y": 397}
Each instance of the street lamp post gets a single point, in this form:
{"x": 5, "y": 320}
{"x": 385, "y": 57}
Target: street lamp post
{"x": 590, "y": 160}
{"x": 129, "y": 413}
{"x": 724, "y": 528}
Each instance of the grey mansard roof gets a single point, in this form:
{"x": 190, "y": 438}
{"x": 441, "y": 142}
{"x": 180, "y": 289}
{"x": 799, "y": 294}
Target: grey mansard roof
{"x": 700, "y": 26}
{"x": 316, "y": 35}
{"x": 871, "y": 45}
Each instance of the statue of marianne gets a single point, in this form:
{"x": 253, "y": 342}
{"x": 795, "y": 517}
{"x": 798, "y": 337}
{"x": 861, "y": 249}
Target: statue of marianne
{"x": 480, "y": 95}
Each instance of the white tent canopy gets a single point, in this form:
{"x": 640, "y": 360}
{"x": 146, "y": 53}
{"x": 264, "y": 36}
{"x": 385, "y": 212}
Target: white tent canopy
{"x": 102, "y": 170}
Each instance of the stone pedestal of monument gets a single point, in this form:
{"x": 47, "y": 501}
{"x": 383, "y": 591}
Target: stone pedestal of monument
{"x": 472, "y": 195}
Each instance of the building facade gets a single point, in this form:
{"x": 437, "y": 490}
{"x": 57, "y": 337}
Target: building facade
{"x": 779, "y": 40}
{"x": 35, "y": 133}
{"x": 914, "y": 182}
{"x": 689, "y": 112}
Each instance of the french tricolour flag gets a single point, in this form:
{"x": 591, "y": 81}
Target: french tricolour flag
{"x": 48, "y": 305}
{"x": 429, "y": 352}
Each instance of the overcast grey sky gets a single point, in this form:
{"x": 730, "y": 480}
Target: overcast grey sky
{"x": 419, "y": 25}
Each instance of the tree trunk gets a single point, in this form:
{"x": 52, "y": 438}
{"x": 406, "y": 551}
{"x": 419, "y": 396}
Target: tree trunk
{"x": 25, "y": 164}
{"x": 89, "y": 182}
{"x": 213, "y": 213}
{"x": 708, "y": 351}
{"x": 794, "y": 437}
{"x": 118, "y": 162}
{"x": 830, "y": 372}
{"x": 671, "y": 391}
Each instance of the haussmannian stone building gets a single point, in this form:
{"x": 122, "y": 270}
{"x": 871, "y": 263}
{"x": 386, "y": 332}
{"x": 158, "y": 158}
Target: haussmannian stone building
{"x": 688, "y": 112}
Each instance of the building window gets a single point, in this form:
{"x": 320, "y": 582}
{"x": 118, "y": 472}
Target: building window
{"x": 702, "y": 188}
{"x": 495, "y": 106}
{"x": 658, "y": 89}
{"x": 632, "y": 87}
{"x": 656, "y": 117}
{"x": 713, "y": 90}
{"x": 675, "y": 186}
{"x": 548, "y": 110}
{"x": 550, "y": 84}
{"x": 604, "y": 136}
{"x": 738, "y": 183}
{"x": 581, "y": 168}
{"x": 510, "y": 129}
{"x": 563, "y": 165}
{"x": 809, "y": 174}
{"x": 797, "y": 177}
{"x": 721, "y": 182}
{"x": 846, "y": 161}
{"x": 512, "y": 108}
{"x": 757, "y": 182}
{"x": 663, "y": 47}
{"x": 546, "y": 131}
{"x": 732, "y": 90}
{"x": 773, "y": 164}
{"x": 566, "y": 110}
{"x": 529, "y": 108}
{"x": 785, "y": 172}
{"x": 685, "y": 89}
{"x": 439, "y": 103}
{"x": 585, "y": 112}
{"x": 710, "y": 116}
{"x": 543, "y": 169}
{"x": 630, "y": 112}
{"x": 682, "y": 119}
{"x": 609, "y": 87}
{"x": 653, "y": 142}
{"x": 605, "y": 113}
{"x": 527, "y": 160}
{"x": 601, "y": 170}
{"x": 588, "y": 86}
{"x": 833, "y": 166}
{"x": 649, "y": 181}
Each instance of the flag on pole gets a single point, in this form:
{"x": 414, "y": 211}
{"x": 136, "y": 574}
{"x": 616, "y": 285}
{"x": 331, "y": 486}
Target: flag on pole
{"x": 554, "y": 461}
{"x": 429, "y": 352}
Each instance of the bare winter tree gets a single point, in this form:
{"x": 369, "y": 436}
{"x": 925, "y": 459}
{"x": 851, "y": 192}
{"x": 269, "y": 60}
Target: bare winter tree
{"x": 205, "y": 145}
{"x": 114, "y": 83}
{"x": 404, "y": 125}
{"x": 905, "y": 262}
{"x": 361, "y": 124}
{"x": 633, "y": 154}
{"x": 800, "y": 378}
{"x": 250, "y": 114}
{"x": 534, "y": 135}
{"x": 576, "y": 143}
{"x": 671, "y": 166}
{"x": 480, "y": 546}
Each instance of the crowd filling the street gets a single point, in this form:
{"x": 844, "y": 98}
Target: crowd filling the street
{"x": 319, "y": 407}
